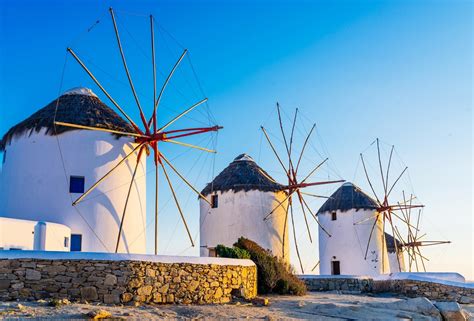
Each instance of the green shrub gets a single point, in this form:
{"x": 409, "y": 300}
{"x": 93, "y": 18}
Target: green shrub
{"x": 232, "y": 252}
{"x": 273, "y": 274}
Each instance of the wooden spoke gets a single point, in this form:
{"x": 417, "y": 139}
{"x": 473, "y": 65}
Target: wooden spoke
{"x": 182, "y": 114}
{"x": 303, "y": 148}
{"x": 100, "y": 129}
{"x": 368, "y": 179}
{"x": 275, "y": 152}
{"x": 314, "y": 170}
{"x": 285, "y": 224}
{"x": 156, "y": 155}
{"x": 304, "y": 215}
{"x": 127, "y": 199}
{"x": 396, "y": 181}
{"x": 315, "y": 218}
{"x": 381, "y": 170}
{"x": 314, "y": 195}
{"x": 279, "y": 204}
{"x": 383, "y": 243}
{"x": 366, "y": 219}
{"x": 396, "y": 245}
{"x": 189, "y": 145}
{"x": 105, "y": 176}
{"x": 157, "y": 102}
{"x": 124, "y": 61}
{"x": 152, "y": 29}
{"x": 103, "y": 90}
{"x": 314, "y": 267}
{"x": 401, "y": 219}
{"x": 184, "y": 179}
{"x": 292, "y": 132}
{"x": 388, "y": 167}
{"x": 294, "y": 238}
{"x": 177, "y": 203}
{"x": 370, "y": 236}
{"x": 290, "y": 165}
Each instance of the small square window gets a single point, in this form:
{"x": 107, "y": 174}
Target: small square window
{"x": 76, "y": 184}
{"x": 214, "y": 201}
{"x": 66, "y": 241}
{"x": 333, "y": 216}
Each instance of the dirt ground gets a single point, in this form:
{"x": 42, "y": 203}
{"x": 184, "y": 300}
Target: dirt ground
{"x": 314, "y": 306}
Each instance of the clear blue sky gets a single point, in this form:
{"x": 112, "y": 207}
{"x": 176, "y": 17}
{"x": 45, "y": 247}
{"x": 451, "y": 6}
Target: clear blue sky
{"x": 398, "y": 70}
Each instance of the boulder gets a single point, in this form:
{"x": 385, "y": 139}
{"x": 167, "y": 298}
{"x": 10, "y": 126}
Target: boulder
{"x": 33, "y": 275}
{"x": 451, "y": 311}
{"x": 89, "y": 293}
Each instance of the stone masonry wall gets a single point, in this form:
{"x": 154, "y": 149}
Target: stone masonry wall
{"x": 339, "y": 284}
{"x": 410, "y": 288}
{"x": 114, "y": 282}
{"x": 430, "y": 290}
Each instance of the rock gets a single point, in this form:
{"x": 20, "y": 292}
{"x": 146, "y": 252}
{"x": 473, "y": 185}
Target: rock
{"x": 463, "y": 300}
{"x": 145, "y": 290}
{"x": 99, "y": 314}
{"x": 451, "y": 311}
{"x": 110, "y": 280}
{"x": 259, "y": 301}
{"x": 33, "y": 275}
{"x": 164, "y": 289}
{"x": 418, "y": 305}
{"x": 218, "y": 293}
{"x": 214, "y": 284}
{"x": 59, "y": 302}
{"x": 127, "y": 297}
{"x": 18, "y": 286}
{"x": 89, "y": 293}
{"x": 157, "y": 298}
{"x": 192, "y": 286}
{"x": 111, "y": 298}
{"x": 4, "y": 284}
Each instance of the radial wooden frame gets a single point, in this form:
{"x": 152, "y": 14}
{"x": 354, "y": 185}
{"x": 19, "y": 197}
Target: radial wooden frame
{"x": 294, "y": 185}
{"x": 148, "y": 138}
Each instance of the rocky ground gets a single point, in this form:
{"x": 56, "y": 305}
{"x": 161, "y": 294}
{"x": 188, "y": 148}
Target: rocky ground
{"x": 314, "y": 306}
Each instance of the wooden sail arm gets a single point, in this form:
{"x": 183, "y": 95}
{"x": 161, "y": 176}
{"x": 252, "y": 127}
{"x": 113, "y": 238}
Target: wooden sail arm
{"x": 118, "y": 132}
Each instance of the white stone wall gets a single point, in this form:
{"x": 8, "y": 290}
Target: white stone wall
{"x": 35, "y": 186}
{"x": 348, "y": 243}
{"x": 241, "y": 214}
{"x": 33, "y": 235}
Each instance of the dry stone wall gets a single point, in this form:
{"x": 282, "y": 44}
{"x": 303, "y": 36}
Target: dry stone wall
{"x": 411, "y": 288}
{"x": 114, "y": 282}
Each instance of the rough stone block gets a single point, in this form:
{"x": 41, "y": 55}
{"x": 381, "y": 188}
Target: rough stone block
{"x": 89, "y": 293}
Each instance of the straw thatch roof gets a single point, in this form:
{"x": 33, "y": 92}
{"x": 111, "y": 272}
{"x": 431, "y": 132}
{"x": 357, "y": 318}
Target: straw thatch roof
{"x": 348, "y": 197}
{"x": 243, "y": 174}
{"x": 78, "y": 106}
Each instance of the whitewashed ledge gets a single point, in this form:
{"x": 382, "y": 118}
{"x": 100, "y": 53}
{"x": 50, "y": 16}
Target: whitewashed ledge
{"x": 341, "y": 276}
{"x": 53, "y": 255}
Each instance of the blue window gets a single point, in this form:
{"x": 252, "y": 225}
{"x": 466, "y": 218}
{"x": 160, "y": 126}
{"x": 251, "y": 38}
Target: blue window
{"x": 76, "y": 184}
{"x": 76, "y": 242}
{"x": 4, "y": 156}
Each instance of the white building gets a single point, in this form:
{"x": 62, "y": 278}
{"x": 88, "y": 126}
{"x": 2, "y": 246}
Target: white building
{"x": 18, "y": 234}
{"x": 44, "y": 170}
{"x": 241, "y": 196}
{"x": 348, "y": 215}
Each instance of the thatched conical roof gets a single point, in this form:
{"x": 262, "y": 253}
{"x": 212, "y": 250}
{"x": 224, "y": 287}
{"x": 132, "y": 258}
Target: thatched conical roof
{"x": 78, "y": 106}
{"x": 243, "y": 174}
{"x": 348, "y": 197}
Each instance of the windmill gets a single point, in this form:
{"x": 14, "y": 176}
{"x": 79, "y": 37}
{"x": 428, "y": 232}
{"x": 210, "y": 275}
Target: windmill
{"x": 296, "y": 185}
{"x": 386, "y": 209}
{"x": 415, "y": 240}
{"x": 149, "y": 136}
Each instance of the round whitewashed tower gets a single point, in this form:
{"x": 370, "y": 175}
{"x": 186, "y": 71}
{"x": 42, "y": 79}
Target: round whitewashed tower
{"x": 348, "y": 215}
{"x": 395, "y": 254}
{"x": 45, "y": 170}
{"x": 241, "y": 196}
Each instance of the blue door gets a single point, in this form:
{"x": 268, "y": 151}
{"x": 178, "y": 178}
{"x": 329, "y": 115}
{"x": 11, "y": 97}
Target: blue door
{"x": 76, "y": 242}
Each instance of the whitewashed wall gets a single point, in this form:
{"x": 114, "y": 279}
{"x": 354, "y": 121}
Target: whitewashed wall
{"x": 241, "y": 214}
{"x": 33, "y": 186}
{"x": 32, "y": 235}
{"x": 348, "y": 243}
{"x": 394, "y": 267}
